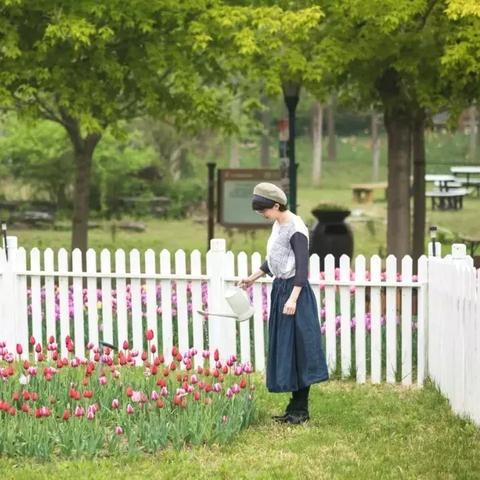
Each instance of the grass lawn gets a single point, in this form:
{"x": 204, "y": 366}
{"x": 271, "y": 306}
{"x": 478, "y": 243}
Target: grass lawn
{"x": 356, "y": 432}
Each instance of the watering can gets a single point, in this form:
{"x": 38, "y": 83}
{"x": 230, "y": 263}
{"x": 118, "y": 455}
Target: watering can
{"x": 239, "y": 302}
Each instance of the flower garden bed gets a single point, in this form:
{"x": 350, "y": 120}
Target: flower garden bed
{"x": 118, "y": 402}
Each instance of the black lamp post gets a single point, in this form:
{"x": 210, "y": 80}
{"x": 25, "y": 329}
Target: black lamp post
{"x": 291, "y": 95}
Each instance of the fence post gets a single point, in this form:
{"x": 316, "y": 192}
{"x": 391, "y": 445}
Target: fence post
{"x": 221, "y": 330}
{"x": 8, "y": 306}
{"x": 459, "y": 253}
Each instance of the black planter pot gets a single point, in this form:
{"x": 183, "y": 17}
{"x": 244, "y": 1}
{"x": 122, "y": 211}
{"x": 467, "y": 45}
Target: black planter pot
{"x": 331, "y": 235}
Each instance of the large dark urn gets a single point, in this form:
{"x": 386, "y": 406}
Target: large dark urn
{"x": 331, "y": 234}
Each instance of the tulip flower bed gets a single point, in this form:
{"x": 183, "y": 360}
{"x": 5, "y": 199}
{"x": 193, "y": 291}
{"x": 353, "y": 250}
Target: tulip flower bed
{"x": 118, "y": 402}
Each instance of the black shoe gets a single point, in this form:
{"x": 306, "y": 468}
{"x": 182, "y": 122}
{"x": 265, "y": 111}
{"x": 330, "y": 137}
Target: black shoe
{"x": 280, "y": 418}
{"x": 297, "y": 418}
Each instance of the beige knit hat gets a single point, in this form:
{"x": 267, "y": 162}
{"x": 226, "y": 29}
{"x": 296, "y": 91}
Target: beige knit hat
{"x": 270, "y": 191}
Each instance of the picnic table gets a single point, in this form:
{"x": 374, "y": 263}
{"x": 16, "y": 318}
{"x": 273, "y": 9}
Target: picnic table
{"x": 451, "y": 199}
{"x": 468, "y": 171}
{"x": 444, "y": 182}
{"x": 363, "y": 192}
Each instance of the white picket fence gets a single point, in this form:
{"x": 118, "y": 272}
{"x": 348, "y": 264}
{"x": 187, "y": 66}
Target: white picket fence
{"x": 454, "y": 332}
{"x": 373, "y": 321}
{"x": 378, "y": 322}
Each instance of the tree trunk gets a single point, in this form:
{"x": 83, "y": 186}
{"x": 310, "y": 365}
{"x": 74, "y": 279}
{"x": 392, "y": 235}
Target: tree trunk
{"x": 375, "y": 147}
{"x": 419, "y": 201}
{"x": 317, "y": 126}
{"x": 398, "y": 128}
{"x": 234, "y": 148}
{"x": 332, "y": 141}
{"x": 83, "y": 148}
{"x": 265, "y": 139}
{"x": 473, "y": 133}
{"x": 234, "y": 155}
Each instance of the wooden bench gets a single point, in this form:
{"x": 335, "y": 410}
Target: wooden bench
{"x": 363, "y": 192}
{"x": 448, "y": 200}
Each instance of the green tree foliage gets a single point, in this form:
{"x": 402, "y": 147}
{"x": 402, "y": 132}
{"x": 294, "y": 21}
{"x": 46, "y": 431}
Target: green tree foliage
{"x": 87, "y": 65}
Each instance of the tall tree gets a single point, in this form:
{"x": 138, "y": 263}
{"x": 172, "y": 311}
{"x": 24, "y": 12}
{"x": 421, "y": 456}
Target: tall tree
{"x": 86, "y": 65}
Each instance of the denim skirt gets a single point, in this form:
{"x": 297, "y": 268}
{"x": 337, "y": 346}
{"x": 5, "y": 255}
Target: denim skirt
{"x": 295, "y": 355}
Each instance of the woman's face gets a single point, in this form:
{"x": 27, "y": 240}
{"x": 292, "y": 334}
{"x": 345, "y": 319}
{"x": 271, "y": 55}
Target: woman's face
{"x": 269, "y": 213}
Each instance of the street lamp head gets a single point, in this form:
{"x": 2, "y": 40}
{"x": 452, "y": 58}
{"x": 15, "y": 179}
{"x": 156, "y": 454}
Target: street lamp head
{"x": 291, "y": 94}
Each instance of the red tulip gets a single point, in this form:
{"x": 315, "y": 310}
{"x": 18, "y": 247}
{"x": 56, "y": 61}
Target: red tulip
{"x": 12, "y": 411}
{"x": 40, "y": 357}
{"x": 160, "y": 403}
{"x": 25, "y": 408}
{"x": 243, "y": 383}
{"x": 129, "y": 391}
{"x": 177, "y": 400}
{"x": 216, "y": 355}
{"x": 34, "y": 396}
{"x": 66, "y": 415}
{"x": 196, "y": 396}
{"x": 125, "y": 345}
{"x": 149, "y": 334}
{"x": 225, "y": 369}
{"x": 26, "y": 365}
{"x": 179, "y": 357}
{"x": 153, "y": 349}
{"x": 173, "y": 366}
{"x": 154, "y": 370}
{"x": 166, "y": 372}
{"x": 19, "y": 349}
{"x": 15, "y": 396}
{"x": 38, "y": 348}
{"x": 161, "y": 382}
{"x": 51, "y": 339}
{"x": 174, "y": 351}
{"x": 32, "y": 340}
{"x": 88, "y": 394}
{"x": 26, "y": 396}
{"x": 144, "y": 356}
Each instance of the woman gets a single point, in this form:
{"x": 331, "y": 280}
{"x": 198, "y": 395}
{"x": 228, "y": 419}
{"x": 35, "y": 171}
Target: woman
{"x": 295, "y": 355}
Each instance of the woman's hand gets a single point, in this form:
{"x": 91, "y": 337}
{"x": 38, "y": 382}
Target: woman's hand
{"x": 290, "y": 307}
{"x": 245, "y": 283}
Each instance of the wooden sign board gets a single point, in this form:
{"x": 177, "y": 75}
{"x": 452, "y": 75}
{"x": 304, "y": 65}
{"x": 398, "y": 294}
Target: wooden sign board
{"x": 234, "y": 201}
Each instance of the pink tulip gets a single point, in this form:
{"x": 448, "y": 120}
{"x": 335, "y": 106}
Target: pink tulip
{"x": 129, "y": 409}
{"x": 115, "y": 403}
{"x": 136, "y": 396}
{"x": 119, "y": 430}
{"x": 154, "y": 396}
{"x": 79, "y": 411}
{"x": 102, "y": 380}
